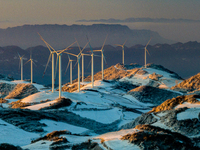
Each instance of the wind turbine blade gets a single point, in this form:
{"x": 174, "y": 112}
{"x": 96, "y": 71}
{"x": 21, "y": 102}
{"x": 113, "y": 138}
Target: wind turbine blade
{"x": 97, "y": 55}
{"x": 89, "y": 44}
{"x": 147, "y": 52}
{"x": 104, "y": 42}
{"x": 27, "y": 61}
{"x": 66, "y": 48}
{"x": 67, "y": 67}
{"x": 69, "y": 57}
{"x": 34, "y": 63}
{"x": 89, "y": 64}
{"x": 47, "y": 65}
{"x": 78, "y": 45}
{"x": 124, "y": 43}
{"x": 75, "y": 64}
{"x": 47, "y": 44}
{"x": 19, "y": 55}
{"x": 119, "y": 45}
{"x": 71, "y": 54}
{"x": 83, "y": 48}
{"x": 148, "y": 42}
{"x": 104, "y": 58}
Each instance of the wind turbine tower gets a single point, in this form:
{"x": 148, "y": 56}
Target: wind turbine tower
{"x": 78, "y": 61}
{"x": 122, "y": 51}
{"x": 69, "y": 64}
{"x": 59, "y": 56}
{"x": 31, "y": 60}
{"x": 21, "y": 62}
{"x": 92, "y": 65}
{"x": 102, "y": 57}
{"x": 145, "y": 54}
{"x": 51, "y": 55}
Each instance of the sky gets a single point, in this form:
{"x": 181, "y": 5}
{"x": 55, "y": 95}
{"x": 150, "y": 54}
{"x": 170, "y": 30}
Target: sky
{"x": 20, "y": 12}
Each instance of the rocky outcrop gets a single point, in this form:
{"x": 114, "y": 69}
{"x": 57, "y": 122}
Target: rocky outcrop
{"x": 155, "y": 138}
{"x": 6, "y": 88}
{"x": 148, "y": 94}
{"x": 188, "y": 85}
{"x": 171, "y": 103}
{"x": 155, "y": 76}
{"x": 22, "y": 91}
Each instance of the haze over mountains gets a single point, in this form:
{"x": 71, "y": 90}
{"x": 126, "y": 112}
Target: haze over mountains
{"x": 60, "y": 36}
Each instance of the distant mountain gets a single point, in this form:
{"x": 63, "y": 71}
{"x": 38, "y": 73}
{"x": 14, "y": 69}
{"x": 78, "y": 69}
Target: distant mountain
{"x": 182, "y": 58}
{"x": 60, "y": 36}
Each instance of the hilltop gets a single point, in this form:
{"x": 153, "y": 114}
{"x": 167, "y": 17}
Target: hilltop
{"x": 138, "y": 100}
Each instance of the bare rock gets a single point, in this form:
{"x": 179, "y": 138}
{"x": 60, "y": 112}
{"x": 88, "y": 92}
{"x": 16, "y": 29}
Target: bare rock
{"x": 188, "y": 85}
{"x": 155, "y": 76}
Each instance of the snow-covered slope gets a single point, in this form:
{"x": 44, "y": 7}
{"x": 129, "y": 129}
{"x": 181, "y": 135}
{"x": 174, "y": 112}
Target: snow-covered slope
{"x": 129, "y": 96}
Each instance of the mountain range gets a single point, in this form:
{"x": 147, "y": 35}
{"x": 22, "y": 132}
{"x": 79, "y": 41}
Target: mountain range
{"x": 60, "y": 36}
{"x": 180, "y": 57}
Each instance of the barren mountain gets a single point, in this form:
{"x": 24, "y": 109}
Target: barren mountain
{"x": 189, "y": 85}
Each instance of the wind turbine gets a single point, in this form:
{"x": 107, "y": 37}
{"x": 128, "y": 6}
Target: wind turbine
{"x": 70, "y": 64}
{"x": 78, "y": 61}
{"x": 51, "y": 55}
{"x": 92, "y": 64}
{"x": 59, "y": 56}
{"x": 21, "y": 62}
{"x": 31, "y": 60}
{"x": 122, "y": 51}
{"x": 102, "y": 57}
{"x": 82, "y": 54}
{"x": 145, "y": 55}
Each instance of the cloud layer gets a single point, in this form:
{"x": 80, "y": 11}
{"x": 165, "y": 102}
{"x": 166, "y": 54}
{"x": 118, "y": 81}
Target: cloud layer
{"x": 132, "y": 20}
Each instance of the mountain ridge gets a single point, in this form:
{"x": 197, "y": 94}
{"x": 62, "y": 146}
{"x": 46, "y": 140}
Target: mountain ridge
{"x": 59, "y": 36}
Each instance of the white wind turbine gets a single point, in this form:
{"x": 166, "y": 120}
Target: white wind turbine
{"x": 145, "y": 55}
{"x": 21, "y": 62}
{"x": 82, "y": 55}
{"x": 102, "y": 57}
{"x": 92, "y": 65}
{"x": 51, "y": 55}
{"x": 59, "y": 56}
{"x": 122, "y": 51}
{"x": 70, "y": 64}
{"x": 31, "y": 60}
{"x": 78, "y": 61}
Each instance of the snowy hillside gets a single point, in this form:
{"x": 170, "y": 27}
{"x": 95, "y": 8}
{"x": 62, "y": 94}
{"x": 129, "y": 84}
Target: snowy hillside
{"x": 133, "y": 108}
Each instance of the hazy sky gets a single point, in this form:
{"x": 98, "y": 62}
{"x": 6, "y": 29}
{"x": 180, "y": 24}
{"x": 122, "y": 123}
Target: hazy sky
{"x": 19, "y": 12}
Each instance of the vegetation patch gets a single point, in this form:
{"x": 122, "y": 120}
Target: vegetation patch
{"x": 19, "y": 104}
{"x": 54, "y": 136}
{"x": 6, "y": 146}
{"x": 3, "y": 100}
{"x": 87, "y": 145}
